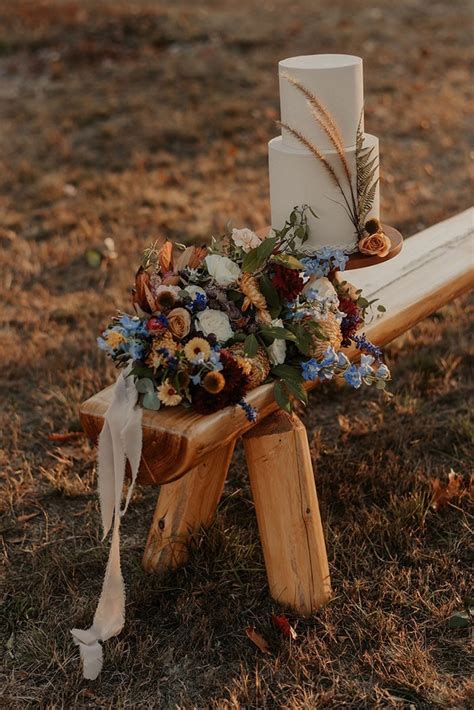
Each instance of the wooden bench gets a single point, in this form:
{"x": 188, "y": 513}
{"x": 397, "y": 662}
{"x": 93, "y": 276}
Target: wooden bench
{"x": 434, "y": 267}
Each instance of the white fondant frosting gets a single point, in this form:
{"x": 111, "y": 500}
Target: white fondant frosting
{"x": 297, "y": 177}
{"x": 336, "y": 80}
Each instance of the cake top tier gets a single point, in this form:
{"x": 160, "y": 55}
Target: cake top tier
{"x": 336, "y": 80}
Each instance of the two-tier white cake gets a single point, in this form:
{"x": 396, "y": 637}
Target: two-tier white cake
{"x": 296, "y": 176}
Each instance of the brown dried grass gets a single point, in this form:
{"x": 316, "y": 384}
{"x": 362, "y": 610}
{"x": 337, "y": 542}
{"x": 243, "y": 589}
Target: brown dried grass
{"x": 105, "y": 133}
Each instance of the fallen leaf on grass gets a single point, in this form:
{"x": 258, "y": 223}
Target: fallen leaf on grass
{"x": 282, "y": 623}
{"x": 445, "y": 494}
{"x": 66, "y": 436}
{"x": 29, "y": 516}
{"x": 258, "y": 640}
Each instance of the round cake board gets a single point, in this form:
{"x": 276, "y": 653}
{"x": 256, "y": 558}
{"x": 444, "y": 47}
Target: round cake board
{"x": 361, "y": 261}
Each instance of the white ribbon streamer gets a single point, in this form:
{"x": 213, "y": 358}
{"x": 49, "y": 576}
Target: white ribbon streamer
{"x": 119, "y": 440}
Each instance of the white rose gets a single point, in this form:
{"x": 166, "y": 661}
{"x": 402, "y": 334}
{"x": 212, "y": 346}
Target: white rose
{"x": 277, "y": 350}
{"x": 217, "y": 322}
{"x": 246, "y": 239}
{"x": 222, "y": 269}
{"x": 194, "y": 290}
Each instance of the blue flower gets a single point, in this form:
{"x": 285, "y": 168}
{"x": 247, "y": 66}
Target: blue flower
{"x": 134, "y": 348}
{"x": 366, "y": 346}
{"x": 104, "y": 346}
{"x": 171, "y": 360}
{"x": 311, "y": 294}
{"x": 339, "y": 259}
{"x": 250, "y": 412}
{"x": 313, "y": 266}
{"x": 365, "y": 368}
{"x": 326, "y": 373}
{"x": 310, "y": 369}
{"x": 200, "y": 302}
{"x": 383, "y": 373}
{"x": 215, "y": 359}
{"x": 330, "y": 357}
{"x": 130, "y": 326}
{"x": 342, "y": 360}
{"x": 196, "y": 379}
{"x": 353, "y": 377}
{"x": 324, "y": 261}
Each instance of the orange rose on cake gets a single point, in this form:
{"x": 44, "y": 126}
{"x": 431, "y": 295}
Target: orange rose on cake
{"x": 376, "y": 244}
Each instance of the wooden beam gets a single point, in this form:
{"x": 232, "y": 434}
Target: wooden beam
{"x": 434, "y": 267}
{"x": 284, "y": 492}
{"x": 183, "y": 508}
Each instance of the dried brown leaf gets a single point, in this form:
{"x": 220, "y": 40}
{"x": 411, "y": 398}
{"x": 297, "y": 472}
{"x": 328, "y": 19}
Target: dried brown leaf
{"x": 60, "y": 437}
{"x": 257, "y": 639}
{"x": 443, "y": 495}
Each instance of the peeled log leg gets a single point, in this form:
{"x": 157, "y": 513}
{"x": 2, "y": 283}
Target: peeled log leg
{"x": 184, "y": 507}
{"x": 284, "y": 492}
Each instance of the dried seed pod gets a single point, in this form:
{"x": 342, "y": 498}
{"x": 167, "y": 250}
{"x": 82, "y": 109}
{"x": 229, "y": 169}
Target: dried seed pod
{"x": 259, "y": 365}
{"x": 331, "y": 330}
{"x": 254, "y": 297}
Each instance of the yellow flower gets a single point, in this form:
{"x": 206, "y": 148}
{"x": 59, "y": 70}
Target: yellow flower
{"x": 214, "y": 382}
{"x": 168, "y": 395}
{"x": 114, "y": 339}
{"x": 197, "y": 349}
{"x": 156, "y": 359}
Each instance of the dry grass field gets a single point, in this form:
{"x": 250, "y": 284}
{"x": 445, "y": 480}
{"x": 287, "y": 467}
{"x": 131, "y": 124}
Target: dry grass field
{"x": 137, "y": 120}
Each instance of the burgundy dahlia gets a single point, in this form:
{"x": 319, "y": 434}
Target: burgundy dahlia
{"x": 351, "y": 321}
{"x": 287, "y": 282}
{"x": 236, "y": 385}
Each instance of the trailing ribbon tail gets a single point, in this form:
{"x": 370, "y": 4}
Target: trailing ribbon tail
{"x": 120, "y": 440}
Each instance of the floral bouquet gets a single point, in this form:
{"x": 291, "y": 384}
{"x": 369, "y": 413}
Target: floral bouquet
{"x": 215, "y": 322}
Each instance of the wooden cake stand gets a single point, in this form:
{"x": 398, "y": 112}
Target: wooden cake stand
{"x": 360, "y": 261}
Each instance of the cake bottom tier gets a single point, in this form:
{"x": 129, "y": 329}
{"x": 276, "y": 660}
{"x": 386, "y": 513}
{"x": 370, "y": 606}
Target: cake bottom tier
{"x": 297, "y": 178}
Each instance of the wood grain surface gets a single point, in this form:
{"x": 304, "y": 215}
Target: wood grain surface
{"x": 183, "y": 508}
{"x": 284, "y": 492}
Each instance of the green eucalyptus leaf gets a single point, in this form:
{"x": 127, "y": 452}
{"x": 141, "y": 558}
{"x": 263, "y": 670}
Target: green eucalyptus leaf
{"x": 282, "y": 397}
{"x": 303, "y": 338}
{"x": 297, "y": 390}
{"x": 151, "y": 401}
{"x": 250, "y": 345}
{"x": 144, "y": 385}
{"x": 258, "y": 256}
{"x": 277, "y": 333}
{"x": 271, "y": 296}
{"x": 288, "y": 261}
{"x": 381, "y": 308}
{"x": 140, "y": 371}
{"x": 287, "y": 372}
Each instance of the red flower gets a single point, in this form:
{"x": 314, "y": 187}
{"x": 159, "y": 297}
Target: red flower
{"x": 349, "y": 307}
{"x": 287, "y": 282}
{"x": 236, "y": 385}
{"x": 351, "y": 321}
